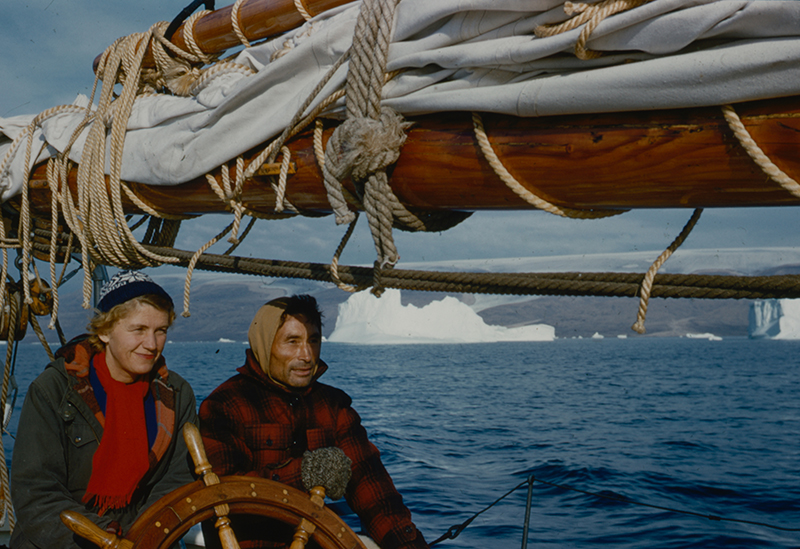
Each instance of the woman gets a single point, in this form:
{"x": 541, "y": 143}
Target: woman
{"x": 100, "y": 429}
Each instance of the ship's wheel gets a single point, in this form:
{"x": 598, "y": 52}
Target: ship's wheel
{"x": 168, "y": 520}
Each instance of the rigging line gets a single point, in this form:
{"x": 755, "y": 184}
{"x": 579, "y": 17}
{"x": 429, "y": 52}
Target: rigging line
{"x": 456, "y": 529}
{"x": 621, "y": 499}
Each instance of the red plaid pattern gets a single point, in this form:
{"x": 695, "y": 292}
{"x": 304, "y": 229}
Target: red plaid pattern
{"x": 251, "y": 426}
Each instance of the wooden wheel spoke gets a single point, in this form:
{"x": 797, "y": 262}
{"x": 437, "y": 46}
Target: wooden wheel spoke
{"x": 168, "y": 519}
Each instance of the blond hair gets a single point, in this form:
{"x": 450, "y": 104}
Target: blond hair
{"x": 103, "y": 323}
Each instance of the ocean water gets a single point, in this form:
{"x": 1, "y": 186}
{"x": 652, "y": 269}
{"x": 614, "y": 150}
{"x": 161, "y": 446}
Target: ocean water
{"x": 707, "y": 427}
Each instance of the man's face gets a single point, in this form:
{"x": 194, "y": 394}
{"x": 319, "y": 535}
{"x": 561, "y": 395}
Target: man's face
{"x": 295, "y": 352}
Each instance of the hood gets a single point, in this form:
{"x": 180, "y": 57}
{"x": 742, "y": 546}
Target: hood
{"x": 263, "y": 329}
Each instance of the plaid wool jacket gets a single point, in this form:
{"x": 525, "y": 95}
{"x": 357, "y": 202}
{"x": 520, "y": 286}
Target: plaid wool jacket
{"x": 252, "y": 426}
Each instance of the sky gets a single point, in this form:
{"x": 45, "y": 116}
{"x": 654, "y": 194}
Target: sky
{"x": 48, "y": 48}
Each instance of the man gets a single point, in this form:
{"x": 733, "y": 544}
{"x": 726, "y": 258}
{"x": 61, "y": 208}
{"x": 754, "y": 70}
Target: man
{"x": 261, "y": 421}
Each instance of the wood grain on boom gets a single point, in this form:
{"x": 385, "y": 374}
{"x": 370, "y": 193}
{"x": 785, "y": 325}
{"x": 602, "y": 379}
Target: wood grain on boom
{"x": 682, "y": 158}
{"x": 258, "y": 19}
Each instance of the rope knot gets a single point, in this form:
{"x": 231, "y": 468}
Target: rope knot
{"x": 368, "y": 146}
{"x": 574, "y": 8}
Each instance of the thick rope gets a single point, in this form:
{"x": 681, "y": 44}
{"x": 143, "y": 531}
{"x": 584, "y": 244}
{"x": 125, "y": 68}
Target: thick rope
{"x": 96, "y": 211}
{"x": 192, "y": 262}
{"x": 303, "y": 9}
{"x": 364, "y": 87}
{"x": 232, "y": 196}
{"x": 555, "y": 284}
{"x": 358, "y": 148}
{"x": 188, "y": 36}
{"x": 117, "y": 245}
{"x": 216, "y": 70}
{"x": 647, "y": 283}
{"x": 280, "y": 188}
{"x": 369, "y": 141}
{"x": 6, "y": 508}
{"x": 53, "y": 256}
{"x": 335, "y": 261}
{"x": 365, "y": 116}
{"x": 25, "y": 222}
{"x": 40, "y": 334}
{"x": 236, "y": 24}
{"x": 176, "y": 69}
{"x": 521, "y": 191}
{"x": 235, "y": 245}
{"x": 590, "y": 14}
{"x": 755, "y": 152}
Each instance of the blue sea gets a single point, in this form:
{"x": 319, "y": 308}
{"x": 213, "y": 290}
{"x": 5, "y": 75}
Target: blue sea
{"x": 710, "y": 428}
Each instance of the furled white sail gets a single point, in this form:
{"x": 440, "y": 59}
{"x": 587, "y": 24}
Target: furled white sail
{"x": 468, "y": 55}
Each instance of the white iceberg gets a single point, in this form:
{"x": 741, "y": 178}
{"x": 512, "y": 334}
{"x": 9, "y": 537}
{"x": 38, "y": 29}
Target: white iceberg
{"x": 707, "y": 335}
{"x": 366, "y": 319}
{"x": 775, "y": 319}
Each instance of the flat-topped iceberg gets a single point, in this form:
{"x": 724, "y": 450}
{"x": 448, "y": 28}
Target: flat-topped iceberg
{"x": 366, "y": 319}
{"x": 775, "y": 319}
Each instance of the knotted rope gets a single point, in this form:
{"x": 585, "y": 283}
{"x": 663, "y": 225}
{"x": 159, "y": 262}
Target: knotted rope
{"x": 351, "y": 152}
{"x": 363, "y": 91}
{"x": 370, "y": 140}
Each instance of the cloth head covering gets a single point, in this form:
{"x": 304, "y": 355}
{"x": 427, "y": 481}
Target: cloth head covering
{"x": 126, "y": 285}
{"x": 263, "y": 329}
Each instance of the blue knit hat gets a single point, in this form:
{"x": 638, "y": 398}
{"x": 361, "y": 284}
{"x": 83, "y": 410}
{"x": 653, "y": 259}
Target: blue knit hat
{"x": 126, "y": 285}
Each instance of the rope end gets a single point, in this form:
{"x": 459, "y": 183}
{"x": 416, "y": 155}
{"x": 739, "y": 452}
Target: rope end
{"x": 346, "y": 218}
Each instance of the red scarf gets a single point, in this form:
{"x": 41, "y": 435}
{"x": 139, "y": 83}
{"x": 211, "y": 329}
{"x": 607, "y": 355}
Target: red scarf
{"x": 122, "y": 459}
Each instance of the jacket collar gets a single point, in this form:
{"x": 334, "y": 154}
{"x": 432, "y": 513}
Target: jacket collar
{"x": 77, "y": 355}
{"x": 252, "y": 369}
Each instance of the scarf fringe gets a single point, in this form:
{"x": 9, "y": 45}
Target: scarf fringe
{"x": 104, "y": 503}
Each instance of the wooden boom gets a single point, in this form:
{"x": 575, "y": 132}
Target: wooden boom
{"x": 683, "y": 158}
{"x": 258, "y": 19}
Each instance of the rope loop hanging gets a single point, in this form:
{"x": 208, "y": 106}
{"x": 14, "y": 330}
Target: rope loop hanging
{"x": 649, "y": 277}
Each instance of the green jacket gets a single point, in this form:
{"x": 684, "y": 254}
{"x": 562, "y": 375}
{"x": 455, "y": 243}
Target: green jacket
{"x": 57, "y": 437}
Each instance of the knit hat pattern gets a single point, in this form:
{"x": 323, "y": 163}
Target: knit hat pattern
{"x": 126, "y": 285}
